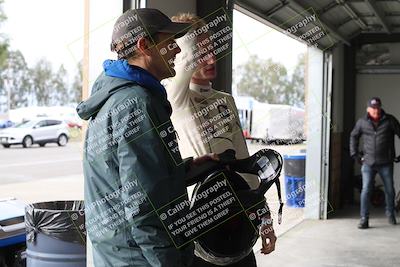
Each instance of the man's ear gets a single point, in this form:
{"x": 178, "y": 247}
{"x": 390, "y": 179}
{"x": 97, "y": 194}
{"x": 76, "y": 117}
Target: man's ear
{"x": 143, "y": 45}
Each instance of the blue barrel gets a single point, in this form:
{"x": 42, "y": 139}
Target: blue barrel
{"x": 295, "y": 182}
{"x": 47, "y": 251}
{"x": 56, "y": 234}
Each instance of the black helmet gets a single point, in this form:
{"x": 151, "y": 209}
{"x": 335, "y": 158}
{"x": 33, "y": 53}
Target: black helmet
{"x": 232, "y": 212}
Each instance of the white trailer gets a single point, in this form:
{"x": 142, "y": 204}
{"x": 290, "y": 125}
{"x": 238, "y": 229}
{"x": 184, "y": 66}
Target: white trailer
{"x": 270, "y": 122}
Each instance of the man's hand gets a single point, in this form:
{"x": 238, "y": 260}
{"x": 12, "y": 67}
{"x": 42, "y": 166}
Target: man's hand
{"x": 359, "y": 159}
{"x": 185, "y": 61}
{"x": 267, "y": 236}
{"x": 207, "y": 157}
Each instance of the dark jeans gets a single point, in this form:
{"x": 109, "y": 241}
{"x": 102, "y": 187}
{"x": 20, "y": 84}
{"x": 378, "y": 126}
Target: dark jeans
{"x": 368, "y": 176}
{"x": 249, "y": 261}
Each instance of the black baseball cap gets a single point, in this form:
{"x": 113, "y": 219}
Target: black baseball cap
{"x": 375, "y": 102}
{"x": 141, "y": 22}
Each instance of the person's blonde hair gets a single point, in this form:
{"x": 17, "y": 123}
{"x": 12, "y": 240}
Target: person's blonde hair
{"x": 191, "y": 18}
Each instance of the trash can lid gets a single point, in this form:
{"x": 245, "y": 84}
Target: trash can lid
{"x": 11, "y": 208}
{"x": 63, "y": 220}
{"x": 58, "y": 206}
{"x": 295, "y": 157}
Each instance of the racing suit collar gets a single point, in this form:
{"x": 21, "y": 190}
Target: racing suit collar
{"x": 201, "y": 89}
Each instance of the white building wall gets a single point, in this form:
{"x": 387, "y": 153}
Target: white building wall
{"x": 314, "y": 89}
{"x": 103, "y": 14}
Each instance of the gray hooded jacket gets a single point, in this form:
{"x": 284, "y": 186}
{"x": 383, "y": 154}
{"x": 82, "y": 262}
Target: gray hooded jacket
{"x": 132, "y": 168}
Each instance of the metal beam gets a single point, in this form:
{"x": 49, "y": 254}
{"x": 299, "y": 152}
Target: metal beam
{"x": 393, "y": 25}
{"x": 378, "y": 13}
{"x": 275, "y": 9}
{"x": 373, "y": 38}
{"x": 362, "y": 1}
{"x": 300, "y": 8}
{"x": 352, "y": 14}
{"x": 392, "y": 14}
{"x": 126, "y": 5}
{"x": 355, "y": 34}
{"x": 271, "y": 22}
{"x": 328, "y": 8}
{"x": 381, "y": 69}
{"x": 85, "y": 59}
{"x": 344, "y": 22}
{"x": 224, "y": 64}
{"x": 86, "y": 43}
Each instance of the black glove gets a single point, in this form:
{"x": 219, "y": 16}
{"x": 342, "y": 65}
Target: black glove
{"x": 397, "y": 159}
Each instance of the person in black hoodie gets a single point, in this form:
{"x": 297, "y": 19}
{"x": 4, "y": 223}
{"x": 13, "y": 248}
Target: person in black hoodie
{"x": 377, "y": 130}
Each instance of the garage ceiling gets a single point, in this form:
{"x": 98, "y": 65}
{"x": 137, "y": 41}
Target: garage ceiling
{"x": 340, "y": 20}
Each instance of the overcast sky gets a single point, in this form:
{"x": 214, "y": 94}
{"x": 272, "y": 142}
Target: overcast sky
{"x": 54, "y": 28}
{"x": 45, "y": 28}
{"x": 263, "y": 41}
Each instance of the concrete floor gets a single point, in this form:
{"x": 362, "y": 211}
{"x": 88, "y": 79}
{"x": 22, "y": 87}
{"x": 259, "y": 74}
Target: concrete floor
{"x": 337, "y": 242}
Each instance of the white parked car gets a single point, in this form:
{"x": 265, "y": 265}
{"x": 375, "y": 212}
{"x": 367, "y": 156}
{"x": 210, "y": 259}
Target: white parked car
{"x": 36, "y": 131}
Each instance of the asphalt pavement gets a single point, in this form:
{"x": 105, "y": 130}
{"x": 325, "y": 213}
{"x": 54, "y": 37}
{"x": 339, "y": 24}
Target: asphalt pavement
{"x": 39, "y": 174}
{"x": 18, "y": 164}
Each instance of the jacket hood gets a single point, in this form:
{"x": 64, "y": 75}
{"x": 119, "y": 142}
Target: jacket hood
{"x": 103, "y": 89}
{"x": 117, "y": 75}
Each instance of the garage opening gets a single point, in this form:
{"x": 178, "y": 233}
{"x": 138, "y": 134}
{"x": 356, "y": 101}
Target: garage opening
{"x": 268, "y": 86}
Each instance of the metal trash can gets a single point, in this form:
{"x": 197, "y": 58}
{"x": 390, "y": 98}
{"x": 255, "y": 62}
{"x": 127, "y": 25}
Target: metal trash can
{"x": 56, "y": 234}
{"x": 295, "y": 182}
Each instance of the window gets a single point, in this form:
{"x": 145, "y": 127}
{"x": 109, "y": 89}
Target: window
{"x": 41, "y": 124}
{"x": 53, "y": 122}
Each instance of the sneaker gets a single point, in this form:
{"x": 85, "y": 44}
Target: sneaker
{"x": 363, "y": 223}
{"x": 392, "y": 220}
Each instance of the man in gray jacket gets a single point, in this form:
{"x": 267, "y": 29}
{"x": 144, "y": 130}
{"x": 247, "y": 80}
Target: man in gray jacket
{"x": 377, "y": 130}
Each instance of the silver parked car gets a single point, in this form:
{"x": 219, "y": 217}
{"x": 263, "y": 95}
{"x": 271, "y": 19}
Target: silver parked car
{"x": 36, "y": 131}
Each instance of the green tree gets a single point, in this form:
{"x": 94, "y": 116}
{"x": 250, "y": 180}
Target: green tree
{"x": 60, "y": 94}
{"x": 76, "y": 88}
{"x": 39, "y": 83}
{"x": 265, "y": 80}
{"x": 297, "y": 83}
{"x": 3, "y": 37}
{"x": 42, "y": 82}
{"x": 16, "y": 75}
{"x": 268, "y": 81}
{"x": 3, "y": 56}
